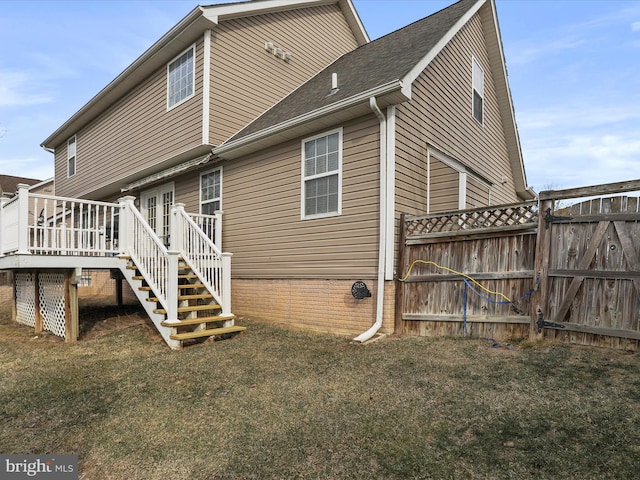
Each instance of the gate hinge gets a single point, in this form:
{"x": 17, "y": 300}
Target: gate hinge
{"x": 542, "y": 323}
{"x": 549, "y": 218}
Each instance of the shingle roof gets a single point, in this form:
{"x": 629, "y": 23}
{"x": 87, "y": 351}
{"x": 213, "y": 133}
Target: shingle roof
{"x": 9, "y": 183}
{"x": 375, "y": 64}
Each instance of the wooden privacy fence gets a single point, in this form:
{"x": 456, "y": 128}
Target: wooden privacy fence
{"x": 526, "y": 270}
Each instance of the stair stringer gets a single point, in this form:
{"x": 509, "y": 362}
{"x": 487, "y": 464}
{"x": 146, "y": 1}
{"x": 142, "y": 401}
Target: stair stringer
{"x": 149, "y": 307}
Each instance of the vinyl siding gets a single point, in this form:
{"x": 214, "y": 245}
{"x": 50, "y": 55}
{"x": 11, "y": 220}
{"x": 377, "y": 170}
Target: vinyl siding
{"x": 444, "y": 187}
{"x": 440, "y": 114}
{"x": 261, "y": 200}
{"x": 134, "y": 134}
{"x": 246, "y": 80}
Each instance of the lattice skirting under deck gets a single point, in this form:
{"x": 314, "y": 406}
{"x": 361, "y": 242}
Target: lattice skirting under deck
{"x": 25, "y": 298}
{"x": 51, "y": 297}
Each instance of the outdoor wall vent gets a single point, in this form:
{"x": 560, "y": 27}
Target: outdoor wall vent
{"x": 359, "y": 290}
{"x": 277, "y": 51}
{"x": 334, "y": 81}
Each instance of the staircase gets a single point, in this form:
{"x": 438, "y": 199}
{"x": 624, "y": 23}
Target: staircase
{"x": 199, "y": 315}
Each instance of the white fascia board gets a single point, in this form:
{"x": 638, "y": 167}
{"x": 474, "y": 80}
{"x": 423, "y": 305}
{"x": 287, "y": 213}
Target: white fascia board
{"x": 308, "y": 117}
{"x": 354, "y": 21}
{"x": 217, "y": 13}
{"x": 410, "y": 77}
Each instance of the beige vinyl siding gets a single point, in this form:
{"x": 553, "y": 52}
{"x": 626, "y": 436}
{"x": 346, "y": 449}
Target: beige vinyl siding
{"x": 440, "y": 114}
{"x": 134, "y": 134}
{"x": 478, "y": 193}
{"x": 444, "y": 187}
{"x": 261, "y": 199}
{"x": 246, "y": 79}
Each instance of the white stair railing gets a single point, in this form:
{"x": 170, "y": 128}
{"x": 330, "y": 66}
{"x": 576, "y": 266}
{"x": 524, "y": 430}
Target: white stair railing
{"x": 206, "y": 260}
{"x": 156, "y": 264}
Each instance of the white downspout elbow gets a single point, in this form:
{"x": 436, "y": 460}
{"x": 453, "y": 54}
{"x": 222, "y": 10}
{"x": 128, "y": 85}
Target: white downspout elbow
{"x": 363, "y": 337}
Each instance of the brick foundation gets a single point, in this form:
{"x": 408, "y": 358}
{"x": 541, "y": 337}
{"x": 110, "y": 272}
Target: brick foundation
{"x": 325, "y": 306}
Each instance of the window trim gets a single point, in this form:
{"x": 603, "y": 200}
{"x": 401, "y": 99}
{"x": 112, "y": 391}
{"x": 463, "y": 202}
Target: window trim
{"x": 200, "y": 201}
{"x": 304, "y": 178}
{"x": 193, "y": 80}
{"x": 477, "y": 85}
{"x": 73, "y": 157}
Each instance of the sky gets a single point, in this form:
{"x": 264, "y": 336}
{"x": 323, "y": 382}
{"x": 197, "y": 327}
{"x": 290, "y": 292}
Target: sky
{"x": 573, "y": 65}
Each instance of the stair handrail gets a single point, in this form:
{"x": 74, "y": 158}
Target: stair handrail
{"x": 157, "y": 264}
{"x": 204, "y": 257}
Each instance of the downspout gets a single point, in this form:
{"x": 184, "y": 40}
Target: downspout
{"x": 382, "y": 248}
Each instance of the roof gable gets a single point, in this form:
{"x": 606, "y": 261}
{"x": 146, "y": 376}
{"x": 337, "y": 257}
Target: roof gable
{"x": 175, "y": 41}
{"x": 389, "y": 63}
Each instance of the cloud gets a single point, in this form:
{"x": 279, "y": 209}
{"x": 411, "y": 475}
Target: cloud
{"x": 29, "y": 166}
{"x": 21, "y": 88}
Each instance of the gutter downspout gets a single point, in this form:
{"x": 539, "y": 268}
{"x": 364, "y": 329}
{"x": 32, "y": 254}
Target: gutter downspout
{"x": 363, "y": 337}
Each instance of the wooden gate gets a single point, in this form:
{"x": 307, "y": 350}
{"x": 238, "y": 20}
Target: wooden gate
{"x": 526, "y": 270}
{"x": 589, "y": 265}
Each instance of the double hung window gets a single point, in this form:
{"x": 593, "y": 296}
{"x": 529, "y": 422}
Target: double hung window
{"x": 322, "y": 175}
{"x": 71, "y": 156}
{"x": 478, "y": 91}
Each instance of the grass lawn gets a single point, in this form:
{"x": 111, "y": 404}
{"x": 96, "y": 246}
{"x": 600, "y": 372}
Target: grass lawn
{"x": 279, "y": 404}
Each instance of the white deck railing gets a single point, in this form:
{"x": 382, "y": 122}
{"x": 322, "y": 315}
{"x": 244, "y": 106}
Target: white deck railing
{"x": 49, "y": 225}
{"x": 208, "y": 262}
{"x": 32, "y": 223}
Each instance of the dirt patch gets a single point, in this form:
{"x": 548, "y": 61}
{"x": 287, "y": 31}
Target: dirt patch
{"x": 100, "y": 316}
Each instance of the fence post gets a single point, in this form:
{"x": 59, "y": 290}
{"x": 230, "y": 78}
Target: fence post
{"x": 217, "y": 229}
{"x": 399, "y": 298}
{"x": 3, "y": 201}
{"x": 539, "y": 298}
{"x": 125, "y": 227}
{"x": 177, "y": 227}
{"x": 226, "y": 283}
{"x": 23, "y": 219}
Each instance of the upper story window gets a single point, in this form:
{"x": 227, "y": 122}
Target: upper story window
{"x": 211, "y": 192}
{"x": 478, "y": 91}
{"x": 322, "y": 175}
{"x": 71, "y": 156}
{"x": 181, "y": 77}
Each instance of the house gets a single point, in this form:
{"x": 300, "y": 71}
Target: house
{"x": 295, "y": 143}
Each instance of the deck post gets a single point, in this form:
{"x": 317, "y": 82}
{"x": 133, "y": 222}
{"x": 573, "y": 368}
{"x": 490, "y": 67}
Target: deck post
{"x": 23, "y": 219}
{"x": 177, "y": 226}
{"x": 125, "y": 229}
{"x": 172, "y": 286}
{"x": 226, "y": 283}
{"x": 3, "y": 201}
{"x": 217, "y": 231}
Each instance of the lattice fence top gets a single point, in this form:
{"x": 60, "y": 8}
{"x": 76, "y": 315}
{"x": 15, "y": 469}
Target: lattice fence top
{"x": 467, "y": 221}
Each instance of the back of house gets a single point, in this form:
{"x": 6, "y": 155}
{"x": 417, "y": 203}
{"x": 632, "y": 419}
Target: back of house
{"x": 310, "y": 138}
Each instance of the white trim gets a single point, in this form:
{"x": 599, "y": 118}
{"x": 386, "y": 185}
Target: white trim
{"x": 391, "y": 189}
{"x": 202, "y": 174}
{"x": 169, "y": 172}
{"x": 303, "y": 177}
{"x": 462, "y": 190}
{"x": 193, "y": 83}
{"x": 418, "y": 68}
{"x": 206, "y": 86}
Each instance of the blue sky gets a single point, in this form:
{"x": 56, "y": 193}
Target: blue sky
{"x": 574, "y": 72}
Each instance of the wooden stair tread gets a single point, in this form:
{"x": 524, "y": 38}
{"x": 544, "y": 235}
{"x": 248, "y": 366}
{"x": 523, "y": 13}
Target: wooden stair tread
{"x": 190, "y": 285}
{"x": 195, "y": 296}
{"x": 198, "y": 321}
{"x": 207, "y": 333}
{"x": 191, "y": 308}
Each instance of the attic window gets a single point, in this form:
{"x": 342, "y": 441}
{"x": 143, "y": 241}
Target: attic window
{"x": 478, "y": 91}
{"x": 181, "y": 78}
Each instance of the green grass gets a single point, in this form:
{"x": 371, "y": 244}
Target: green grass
{"x": 280, "y": 404}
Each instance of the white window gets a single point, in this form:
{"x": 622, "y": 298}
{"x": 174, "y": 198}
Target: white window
{"x": 478, "y": 91}
{"x": 211, "y": 191}
{"x": 181, "y": 78}
{"x": 322, "y": 175}
{"x": 71, "y": 156}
